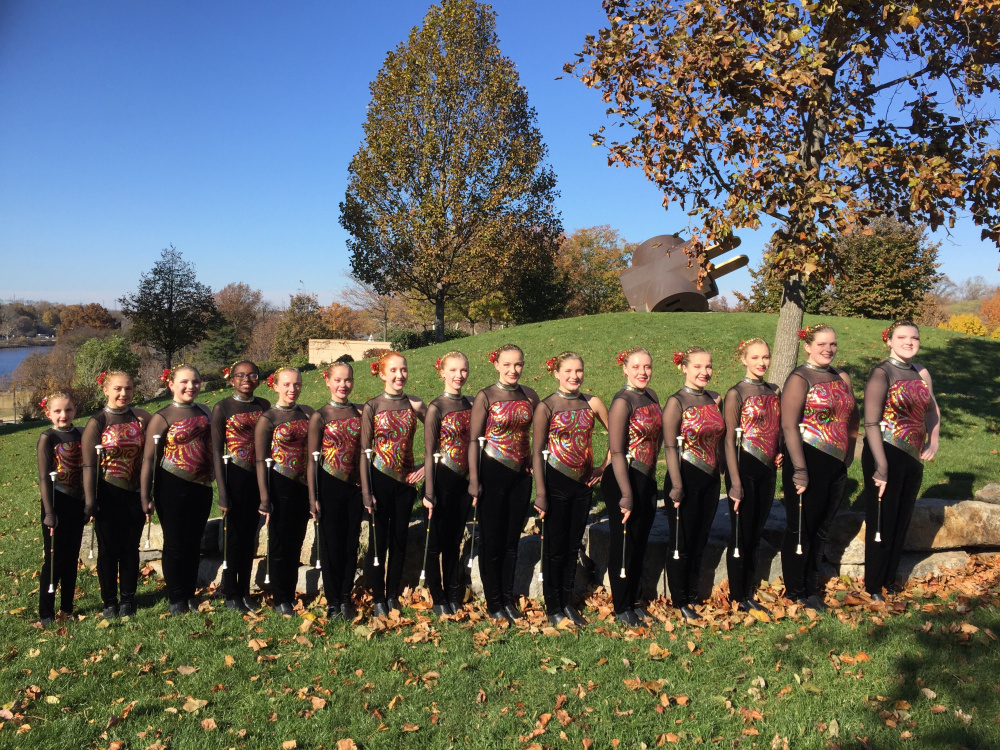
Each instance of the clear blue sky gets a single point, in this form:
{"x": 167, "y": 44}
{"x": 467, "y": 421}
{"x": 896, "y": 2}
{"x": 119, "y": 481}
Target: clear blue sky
{"x": 226, "y": 129}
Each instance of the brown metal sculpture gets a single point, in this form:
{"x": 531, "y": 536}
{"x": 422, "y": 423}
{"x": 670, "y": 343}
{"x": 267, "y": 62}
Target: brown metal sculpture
{"x": 662, "y": 278}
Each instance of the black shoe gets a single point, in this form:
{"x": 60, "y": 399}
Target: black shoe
{"x": 441, "y": 610}
{"x": 557, "y": 618}
{"x": 380, "y": 610}
{"x": 455, "y": 607}
{"x": 47, "y": 621}
{"x": 627, "y": 618}
{"x": 178, "y": 608}
{"x": 347, "y": 611}
{"x": 110, "y": 611}
{"x": 513, "y": 613}
{"x": 393, "y": 603}
{"x": 333, "y": 612}
{"x": 878, "y": 598}
{"x": 689, "y": 614}
{"x": 759, "y": 607}
{"x": 640, "y": 614}
{"x": 127, "y": 609}
{"x": 744, "y": 606}
{"x": 193, "y": 603}
{"x": 284, "y": 609}
{"x": 802, "y": 601}
{"x": 250, "y": 603}
{"x": 501, "y": 614}
{"x": 816, "y": 603}
{"x": 575, "y": 616}
{"x": 236, "y": 604}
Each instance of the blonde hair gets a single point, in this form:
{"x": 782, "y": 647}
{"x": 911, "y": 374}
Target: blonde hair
{"x": 741, "y": 350}
{"x": 556, "y": 362}
{"x": 681, "y": 359}
{"x": 808, "y": 334}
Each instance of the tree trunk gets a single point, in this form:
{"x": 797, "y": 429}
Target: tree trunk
{"x": 786, "y": 339}
{"x": 170, "y": 359}
{"x": 439, "y": 315}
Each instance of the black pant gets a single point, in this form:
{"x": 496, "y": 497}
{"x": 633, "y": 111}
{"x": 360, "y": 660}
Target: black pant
{"x": 183, "y": 509}
{"x": 68, "y": 535}
{"x": 758, "y": 482}
{"x": 242, "y": 522}
{"x": 565, "y": 521}
{"x": 394, "y": 502}
{"x": 625, "y": 591}
{"x": 118, "y": 524}
{"x": 898, "y": 500}
{"x": 820, "y": 501}
{"x": 502, "y": 509}
{"x": 445, "y": 576}
{"x": 339, "y": 531}
{"x": 697, "y": 511}
{"x": 286, "y": 532}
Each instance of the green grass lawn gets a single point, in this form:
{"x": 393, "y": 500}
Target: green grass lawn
{"x": 921, "y": 674}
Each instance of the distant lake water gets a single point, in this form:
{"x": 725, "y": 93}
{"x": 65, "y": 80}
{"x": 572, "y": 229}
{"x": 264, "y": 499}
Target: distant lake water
{"x": 11, "y": 358}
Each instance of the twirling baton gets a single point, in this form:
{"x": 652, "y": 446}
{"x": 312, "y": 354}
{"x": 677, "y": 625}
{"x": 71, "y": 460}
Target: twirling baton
{"x": 52, "y": 539}
{"x": 225, "y": 517}
{"x": 319, "y": 562}
{"x": 156, "y": 460}
{"x": 798, "y": 548}
{"x": 97, "y": 483}
{"x": 677, "y": 520}
{"x": 427, "y": 524}
{"x": 371, "y": 514}
{"x": 625, "y": 525}
{"x": 475, "y": 511}
{"x": 878, "y": 528}
{"x": 541, "y": 521}
{"x": 267, "y": 523}
{"x": 739, "y": 445}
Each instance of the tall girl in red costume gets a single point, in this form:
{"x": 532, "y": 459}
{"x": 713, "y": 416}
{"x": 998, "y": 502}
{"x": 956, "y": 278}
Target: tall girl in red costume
{"x": 564, "y": 481}
{"x": 446, "y": 483}
{"x": 753, "y": 453}
{"x": 281, "y": 436}
{"x": 111, "y": 485}
{"x": 388, "y": 425}
{"x": 335, "y": 487}
{"x": 234, "y": 420}
{"x": 692, "y": 430}
{"x": 902, "y": 424}
{"x": 181, "y": 468}
{"x": 819, "y": 419}
{"x": 60, "y": 480}
{"x": 501, "y": 485}
{"x": 635, "y": 431}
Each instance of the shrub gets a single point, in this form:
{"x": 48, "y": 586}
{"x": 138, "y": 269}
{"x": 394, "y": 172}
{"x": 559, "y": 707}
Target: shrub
{"x": 373, "y": 353}
{"x": 344, "y": 358}
{"x": 401, "y": 338}
{"x": 95, "y": 356}
{"x": 967, "y": 323}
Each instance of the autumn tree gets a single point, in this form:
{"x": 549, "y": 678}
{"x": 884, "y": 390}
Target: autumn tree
{"x": 303, "y": 320}
{"x": 242, "y": 307}
{"x": 591, "y": 261}
{"x": 171, "y": 309}
{"x": 989, "y": 311}
{"x": 817, "y": 117}
{"x": 377, "y": 310}
{"x": 451, "y": 169}
{"x": 341, "y": 321}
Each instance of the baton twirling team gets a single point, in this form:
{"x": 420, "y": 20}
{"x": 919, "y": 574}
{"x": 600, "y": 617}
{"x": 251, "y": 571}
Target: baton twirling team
{"x": 281, "y": 465}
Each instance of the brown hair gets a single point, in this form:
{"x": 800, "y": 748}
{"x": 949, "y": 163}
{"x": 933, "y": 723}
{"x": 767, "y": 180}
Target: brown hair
{"x": 682, "y": 358}
{"x": 808, "y": 334}
{"x": 553, "y": 365}
{"x": 887, "y": 333}
{"x": 623, "y": 357}
{"x": 182, "y": 366}
{"x": 495, "y": 354}
{"x": 328, "y": 368}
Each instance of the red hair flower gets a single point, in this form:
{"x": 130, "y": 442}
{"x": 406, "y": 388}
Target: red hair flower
{"x": 101, "y": 377}
{"x": 678, "y": 357}
{"x": 44, "y": 403}
{"x": 225, "y": 373}
{"x": 493, "y": 356}
{"x": 620, "y": 359}
{"x": 803, "y": 332}
{"x": 885, "y": 335}
{"x": 325, "y": 374}
{"x": 375, "y": 365}
{"x": 165, "y": 375}
{"x": 437, "y": 364}
{"x": 270, "y": 381}
{"x": 550, "y": 364}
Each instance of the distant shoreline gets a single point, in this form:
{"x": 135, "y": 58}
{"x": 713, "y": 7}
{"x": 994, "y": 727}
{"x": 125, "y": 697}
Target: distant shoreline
{"x": 21, "y": 343}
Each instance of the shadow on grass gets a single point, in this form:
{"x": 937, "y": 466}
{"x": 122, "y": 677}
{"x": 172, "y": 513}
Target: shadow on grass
{"x": 959, "y": 485}
{"x": 962, "y": 383}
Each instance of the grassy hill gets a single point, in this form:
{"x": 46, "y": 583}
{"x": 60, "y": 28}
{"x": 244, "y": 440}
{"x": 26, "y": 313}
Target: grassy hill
{"x": 214, "y": 679}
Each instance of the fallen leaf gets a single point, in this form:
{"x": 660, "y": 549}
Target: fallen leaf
{"x": 938, "y": 709}
{"x": 193, "y": 704}
{"x": 289, "y": 745}
{"x": 186, "y": 670}
{"x": 410, "y": 727}
{"x": 208, "y": 725}
{"x": 347, "y": 744}
{"x": 318, "y": 703}
{"x": 230, "y": 661}
{"x": 257, "y": 644}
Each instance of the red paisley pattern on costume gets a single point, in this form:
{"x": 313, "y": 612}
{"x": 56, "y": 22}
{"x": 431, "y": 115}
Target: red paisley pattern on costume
{"x": 122, "y": 457}
{"x": 341, "y": 444}
{"x": 288, "y": 449}
{"x": 67, "y": 463}
{"x": 645, "y": 428}
{"x": 239, "y": 438}
{"x": 393, "y": 443}
{"x": 702, "y": 426}
{"x": 905, "y": 409}
{"x": 826, "y": 416}
{"x": 761, "y": 423}
{"x": 453, "y": 441}
{"x": 188, "y": 450}
{"x": 570, "y": 449}
{"x": 508, "y": 427}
